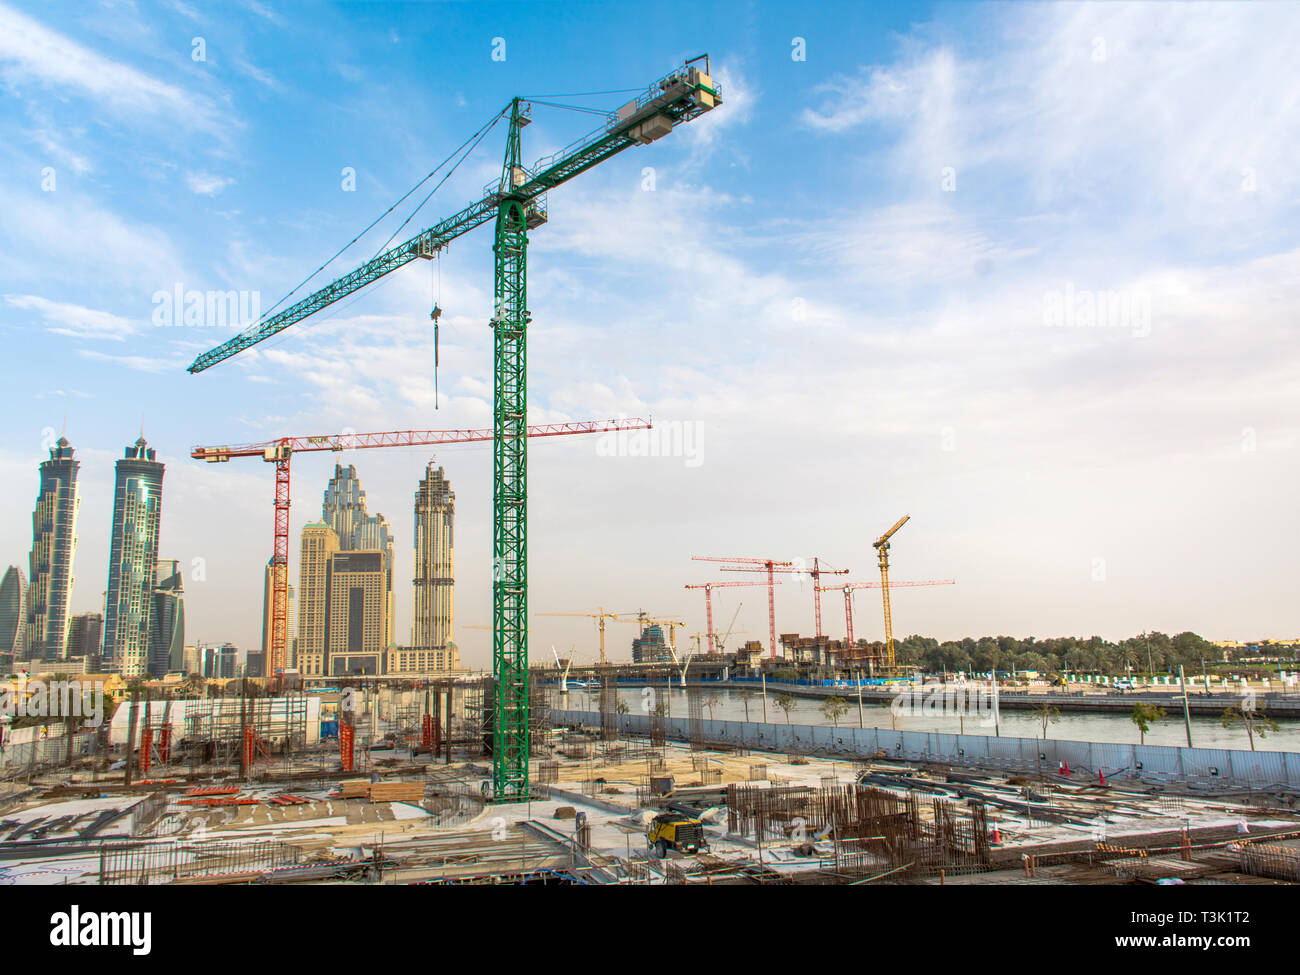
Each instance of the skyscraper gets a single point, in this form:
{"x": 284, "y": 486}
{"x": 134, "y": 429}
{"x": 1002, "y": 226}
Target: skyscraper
{"x": 167, "y": 622}
{"x": 13, "y": 613}
{"x": 54, "y": 545}
{"x": 435, "y": 509}
{"x": 374, "y": 534}
{"x": 345, "y": 505}
{"x": 359, "y": 590}
{"x": 319, "y": 542}
{"x": 85, "y": 630}
{"x": 132, "y": 562}
{"x": 344, "y": 510}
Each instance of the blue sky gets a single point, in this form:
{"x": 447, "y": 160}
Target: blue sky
{"x": 843, "y": 278}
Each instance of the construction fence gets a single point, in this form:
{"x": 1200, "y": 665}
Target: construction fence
{"x": 54, "y": 748}
{"x": 1199, "y": 768}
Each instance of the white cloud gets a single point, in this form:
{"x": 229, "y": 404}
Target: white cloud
{"x": 260, "y": 75}
{"x": 56, "y": 148}
{"x": 739, "y": 96}
{"x": 1091, "y": 107}
{"x": 38, "y": 226}
{"x": 264, "y": 11}
{"x": 136, "y": 363}
{"x": 206, "y": 184}
{"x": 31, "y": 52}
{"x": 74, "y": 320}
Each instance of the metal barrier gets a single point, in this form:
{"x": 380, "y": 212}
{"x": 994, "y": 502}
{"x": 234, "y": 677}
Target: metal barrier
{"x": 1204, "y": 768}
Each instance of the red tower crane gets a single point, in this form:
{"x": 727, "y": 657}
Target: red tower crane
{"x": 849, "y": 588}
{"x": 768, "y": 565}
{"x": 708, "y": 588}
{"x": 280, "y": 451}
{"x": 816, "y": 572}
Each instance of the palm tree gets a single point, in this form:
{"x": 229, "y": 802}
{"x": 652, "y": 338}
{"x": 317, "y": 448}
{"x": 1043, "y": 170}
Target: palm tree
{"x": 1144, "y": 715}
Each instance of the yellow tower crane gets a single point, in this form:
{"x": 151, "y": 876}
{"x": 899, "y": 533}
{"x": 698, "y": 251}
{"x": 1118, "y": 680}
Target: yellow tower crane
{"x": 600, "y": 616}
{"x": 881, "y": 545}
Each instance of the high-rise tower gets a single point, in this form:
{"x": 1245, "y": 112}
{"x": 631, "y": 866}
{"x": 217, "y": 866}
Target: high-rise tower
{"x": 54, "y": 545}
{"x": 344, "y": 507}
{"x": 167, "y": 624}
{"x": 133, "y": 560}
{"x": 435, "y": 509}
{"x": 319, "y": 542}
{"x": 344, "y": 510}
{"x": 13, "y": 614}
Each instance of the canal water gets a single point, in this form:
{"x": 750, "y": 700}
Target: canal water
{"x": 737, "y": 704}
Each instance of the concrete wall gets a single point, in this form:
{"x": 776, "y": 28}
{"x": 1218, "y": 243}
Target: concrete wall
{"x": 1205, "y": 768}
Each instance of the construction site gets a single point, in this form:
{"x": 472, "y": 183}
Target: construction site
{"x": 505, "y": 777}
{"x": 781, "y": 755}
{"x": 392, "y": 784}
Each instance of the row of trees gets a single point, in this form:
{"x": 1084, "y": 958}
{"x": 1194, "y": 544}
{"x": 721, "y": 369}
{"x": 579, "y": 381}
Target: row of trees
{"x": 1157, "y": 651}
{"x": 1251, "y": 717}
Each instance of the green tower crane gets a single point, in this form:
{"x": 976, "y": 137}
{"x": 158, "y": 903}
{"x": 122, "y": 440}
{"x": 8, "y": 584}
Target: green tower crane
{"x": 518, "y": 203}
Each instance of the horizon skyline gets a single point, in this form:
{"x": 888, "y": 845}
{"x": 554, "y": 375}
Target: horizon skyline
{"x": 830, "y": 607}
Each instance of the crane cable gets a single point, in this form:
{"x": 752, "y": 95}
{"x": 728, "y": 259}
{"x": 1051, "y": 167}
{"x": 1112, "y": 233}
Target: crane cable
{"x": 474, "y": 138}
{"x": 435, "y": 276}
{"x": 477, "y": 138}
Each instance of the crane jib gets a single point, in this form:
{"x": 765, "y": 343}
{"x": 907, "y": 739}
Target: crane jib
{"x": 678, "y": 97}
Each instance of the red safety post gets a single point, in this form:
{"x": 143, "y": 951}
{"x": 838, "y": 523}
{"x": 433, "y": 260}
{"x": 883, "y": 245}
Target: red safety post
{"x": 146, "y": 744}
{"x": 345, "y": 746}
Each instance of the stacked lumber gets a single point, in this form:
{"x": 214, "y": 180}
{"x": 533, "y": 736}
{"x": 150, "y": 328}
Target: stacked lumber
{"x": 396, "y": 791}
{"x": 354, "y": 788}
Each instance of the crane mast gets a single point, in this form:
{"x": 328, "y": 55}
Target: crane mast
{"x": 517, "y": 202}
{"x": 881, "y": 546}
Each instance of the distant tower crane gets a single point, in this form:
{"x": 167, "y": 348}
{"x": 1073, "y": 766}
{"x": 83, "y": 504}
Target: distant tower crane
{"x": 881, "y": 545}
{"x": 280, "y": 452}
{"x": 766, "y": 565}
{"x": 850, "y": 587}
{"x": 708, "y": 588}
{"x": 601, "y": 617}
{"x": 517, "y": 201}
{"x": 816, "y": 572}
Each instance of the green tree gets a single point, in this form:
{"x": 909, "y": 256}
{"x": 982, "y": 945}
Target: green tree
{"x": 786, "y": 703}
{"x": 835, "y": 708}
{"x": 1252, "y": 716}
{"x": 1047, "y": 714}
{"x": 1144, "y": 716}
{"x": 711, "y": 702}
